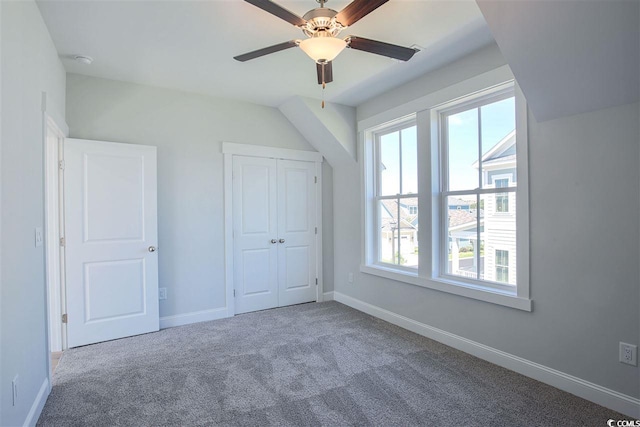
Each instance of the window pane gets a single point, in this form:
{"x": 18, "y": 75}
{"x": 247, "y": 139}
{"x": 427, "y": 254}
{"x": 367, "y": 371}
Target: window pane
{"x": 398, "y": 238}
{"x": 502, "y": 266}
{"x": 389, "y": 164}
{"x": 409, "y": 161}
{"x": 498, "y": 139}
{"x": 499, "y": 238}
{"x": 502, "y": 199}
{"x": 388, "y": 237}
{"x": 462, "y": 149}
{"x": 462, "y": 232}
{"x": 408, "y": 233}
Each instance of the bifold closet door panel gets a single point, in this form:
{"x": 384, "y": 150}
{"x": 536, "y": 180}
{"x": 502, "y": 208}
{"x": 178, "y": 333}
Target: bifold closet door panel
{"x": 255, "y": 229}
{"x": 296, "y": 232}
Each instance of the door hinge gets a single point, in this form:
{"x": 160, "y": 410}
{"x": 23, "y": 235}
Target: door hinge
{"x": 61, "y": 165}
{"x": 64, "y": 318}
{"x": 234, "y": 293}
{"x": 316, "y": 230}
{"x": 316, "y": 281}
{"x": 315, "y": 179}
{"x": 62, "y": 242}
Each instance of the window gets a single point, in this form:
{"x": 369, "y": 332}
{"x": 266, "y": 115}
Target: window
{"x": 460, "y": 167}
{"x": 502, "y": 266}
{"x": 478, "y": 145}
{"x": 395, "y": 196}
{"x": 502, "y": 199}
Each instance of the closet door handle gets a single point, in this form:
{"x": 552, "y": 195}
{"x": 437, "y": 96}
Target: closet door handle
{"x": 274, "y": 241}
{"x": 281, "y": 240}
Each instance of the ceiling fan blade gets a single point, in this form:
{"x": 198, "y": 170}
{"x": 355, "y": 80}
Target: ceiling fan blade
{"x": 265, "y": 51}
{"x": 357, "y": 10}
{"x": 381, "y": 48}
{"x": 278, "y": 11}
{"x": 325, "y": 72}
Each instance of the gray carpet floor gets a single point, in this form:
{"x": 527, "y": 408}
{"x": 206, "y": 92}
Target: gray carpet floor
{"x": 306, "y": 365}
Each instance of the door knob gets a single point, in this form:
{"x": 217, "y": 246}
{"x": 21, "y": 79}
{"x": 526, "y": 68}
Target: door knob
{"x": 281, "y": 240}
{"x": 274, "y": 241}
{"x": 152, "y": 248}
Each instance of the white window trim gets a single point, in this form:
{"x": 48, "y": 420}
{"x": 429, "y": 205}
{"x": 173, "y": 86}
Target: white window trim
{"x": 428, "y": 274}
{"x": 371, "y": 248}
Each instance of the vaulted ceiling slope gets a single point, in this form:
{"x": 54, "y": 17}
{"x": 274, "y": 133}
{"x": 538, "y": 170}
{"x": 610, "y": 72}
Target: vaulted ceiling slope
{"x": 569, "y": 56}
{"x": 190, "y": 45}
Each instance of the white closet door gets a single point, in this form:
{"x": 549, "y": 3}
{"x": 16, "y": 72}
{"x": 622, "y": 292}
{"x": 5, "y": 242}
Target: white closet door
{"x": 255, "y": 225}
{"x": 296, "y": 232}
{"x": 111, "y": 233}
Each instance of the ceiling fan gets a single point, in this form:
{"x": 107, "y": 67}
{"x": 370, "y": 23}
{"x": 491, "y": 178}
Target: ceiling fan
{"x": 322, "y": 26}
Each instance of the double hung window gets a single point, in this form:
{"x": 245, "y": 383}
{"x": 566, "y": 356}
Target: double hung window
{"x": 457, "y": 166}
{"x": 396, "y": 201}
{"x": 478, "y": 169}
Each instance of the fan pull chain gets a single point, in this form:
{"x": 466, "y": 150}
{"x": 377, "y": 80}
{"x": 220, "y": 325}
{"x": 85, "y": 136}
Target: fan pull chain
{"x": 324, "y": 85}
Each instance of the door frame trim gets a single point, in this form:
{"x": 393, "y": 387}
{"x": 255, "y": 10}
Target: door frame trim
{"x": 230, "y": 149}
{"x": 52, "y": 119}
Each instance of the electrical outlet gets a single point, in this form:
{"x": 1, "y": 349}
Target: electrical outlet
{"x": 14, "y": 390}
{"x": 162, "y": 293}
{"x": 39, "y": 238}
{"x": 629, "y": 354}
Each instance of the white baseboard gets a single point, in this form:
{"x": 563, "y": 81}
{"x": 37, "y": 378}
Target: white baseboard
{"x": 327, "y": 296}
{"x": 603, "y": 396}
{"x": 193, "y": 317}
{"x": 38, "y": 404}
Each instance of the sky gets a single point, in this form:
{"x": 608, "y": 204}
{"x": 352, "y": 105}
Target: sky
{"x": 498, "y": 119}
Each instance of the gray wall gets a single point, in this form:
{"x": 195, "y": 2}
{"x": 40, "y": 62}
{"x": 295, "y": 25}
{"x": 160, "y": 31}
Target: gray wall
{"x": 188, "y": 130}
{"x": 30, "y": 66}
{"x": 583, "y": 243}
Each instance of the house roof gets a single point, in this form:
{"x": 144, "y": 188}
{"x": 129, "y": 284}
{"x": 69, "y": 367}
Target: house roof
{"x": 500, "y": 148}
{"x": 390, "y": 220}
{"x": 454, "y": 201}
{"x": 458, "y": 218}
{"x": 500, "y": 160}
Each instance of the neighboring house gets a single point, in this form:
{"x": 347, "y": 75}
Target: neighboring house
{"x": 497, "y": 219}
{"x": 459, "y": 204}
{"x": 399, "y": 231}
{"x": 463, "y": 235}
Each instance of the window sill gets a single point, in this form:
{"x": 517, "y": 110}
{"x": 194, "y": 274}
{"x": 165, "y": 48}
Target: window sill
{"x": 467, "y": 290}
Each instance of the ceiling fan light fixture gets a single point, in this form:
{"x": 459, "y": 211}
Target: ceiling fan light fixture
{"x": 323, "y": 49}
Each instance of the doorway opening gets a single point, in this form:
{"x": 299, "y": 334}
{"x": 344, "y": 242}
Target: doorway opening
{"x": 54, "y": 251}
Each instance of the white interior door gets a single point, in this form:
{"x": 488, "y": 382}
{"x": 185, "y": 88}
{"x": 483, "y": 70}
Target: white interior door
{"x": 255, "y": 233}
{"x": 296, "y": 232}
{"x": 110, "y": 197}
{"x": 274, "y": 228}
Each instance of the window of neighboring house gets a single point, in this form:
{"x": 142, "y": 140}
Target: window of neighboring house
{"x": 502, "y": 266}
{"x": 502, "y": 199}
{"x": 456, "y": 166}
{"x": 396, "y": 188}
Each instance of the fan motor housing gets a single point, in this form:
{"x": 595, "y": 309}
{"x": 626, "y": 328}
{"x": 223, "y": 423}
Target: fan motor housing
{"x": 321, "y": 22}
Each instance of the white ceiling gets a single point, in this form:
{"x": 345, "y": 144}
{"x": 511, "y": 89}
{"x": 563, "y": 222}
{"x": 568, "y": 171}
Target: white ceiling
{"x": 190, "y": 45}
